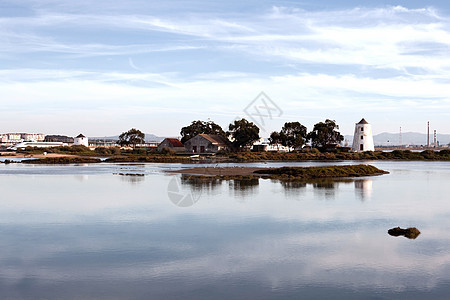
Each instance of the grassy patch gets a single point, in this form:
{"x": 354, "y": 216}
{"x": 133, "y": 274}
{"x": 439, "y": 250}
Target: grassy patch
{"x": 149, "y": 158}
{"x": 321, "y": 172}
{"x": 329, "y": 156}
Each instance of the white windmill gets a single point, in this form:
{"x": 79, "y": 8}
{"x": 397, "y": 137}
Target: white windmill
{"x": 363, "y": 138}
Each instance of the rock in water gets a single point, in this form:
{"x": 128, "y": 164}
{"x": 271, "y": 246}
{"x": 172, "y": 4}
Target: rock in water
{"x": 410, "y": 233}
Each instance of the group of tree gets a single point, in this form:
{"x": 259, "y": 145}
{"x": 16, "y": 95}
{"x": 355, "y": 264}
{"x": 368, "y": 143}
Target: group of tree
{"x": 242, "y": 133}
{"x": 200, "y": 127}
{"x": 294, "y": 135}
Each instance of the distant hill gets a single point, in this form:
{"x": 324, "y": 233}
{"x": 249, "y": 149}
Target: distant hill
{"x": 408, "y": 138}
{"x": 148, "y": 138}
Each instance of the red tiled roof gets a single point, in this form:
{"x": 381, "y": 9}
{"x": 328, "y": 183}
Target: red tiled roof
{"x": 175, "y": 142}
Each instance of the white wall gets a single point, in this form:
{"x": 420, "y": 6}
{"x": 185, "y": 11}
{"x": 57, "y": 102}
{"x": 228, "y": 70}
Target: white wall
{"x": 363, "y": 136}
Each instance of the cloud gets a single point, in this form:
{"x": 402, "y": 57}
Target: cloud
{"x": 315, "y": 62}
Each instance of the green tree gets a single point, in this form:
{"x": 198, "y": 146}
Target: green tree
{"x": 131, "y": 138}
{"x": 243, "y": 133}
{"x": 325, "y": 133}
{"x": 293, "y": 135}
{"x": 200, "y": 127}
{"x": 275, "y": 139}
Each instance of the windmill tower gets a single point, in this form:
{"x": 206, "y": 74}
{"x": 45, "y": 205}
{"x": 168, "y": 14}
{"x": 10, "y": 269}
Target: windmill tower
{"x": 81, "y": 140}
{"x": 363, "y": 139}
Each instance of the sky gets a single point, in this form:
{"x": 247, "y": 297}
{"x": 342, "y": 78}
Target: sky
{"x": 100, "y": 68}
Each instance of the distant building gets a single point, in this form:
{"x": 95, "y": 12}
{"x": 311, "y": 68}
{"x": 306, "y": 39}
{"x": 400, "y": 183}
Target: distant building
{"x": 3, "y": 138}
{"x": 24, "y": 145}
{"x": 363, "y": 138}
{"x": 33, "y": 137}
{"x": 173, "y": 144}
{"x": 207, "y": 143}
{"x": 81, "y": 140}
{"x": 15, "y": 138}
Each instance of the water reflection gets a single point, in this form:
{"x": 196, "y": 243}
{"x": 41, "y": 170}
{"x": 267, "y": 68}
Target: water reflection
{"x": 212, "y": 185}
{"x": 114, "y": 240}
{"x": 200, "y": 183}
{"x": 81, "y": 177}
{"x": 243, "y": 187}
{"x": 131, "y": 178}
{"x": 363, "y": 189}
{"x": 323, "y": 188}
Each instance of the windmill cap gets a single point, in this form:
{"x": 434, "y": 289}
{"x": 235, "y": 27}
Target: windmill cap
{"x": 363, "y": 121}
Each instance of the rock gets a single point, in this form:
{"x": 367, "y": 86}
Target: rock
{"x": 410, "y": 233}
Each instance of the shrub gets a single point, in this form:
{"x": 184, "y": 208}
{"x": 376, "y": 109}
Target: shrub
{"x": 107, "y": 150}
{"x": 168, "y": 151}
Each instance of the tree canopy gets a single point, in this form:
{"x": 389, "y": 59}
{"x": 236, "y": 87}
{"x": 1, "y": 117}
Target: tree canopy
{"x": 200, "y": 127}
{"x": 243, "y": 133}
{"x": 325, "y": 133}
{"x": 131, "y": 138}
{"x": 275, "y": 139}
{"x": 293, "y": 135}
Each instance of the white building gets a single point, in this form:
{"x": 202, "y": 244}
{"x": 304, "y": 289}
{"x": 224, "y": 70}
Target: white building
{"x": 24, "y": 145}
{"x": 35, "y": 137}
{"x": 4, "y": 138}
{"x": 15, "y": 138}
{"x": 363, "y": 138}
{"x": 81, "y": 140}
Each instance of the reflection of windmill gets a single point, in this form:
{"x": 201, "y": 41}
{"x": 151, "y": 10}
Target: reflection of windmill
{"x": 363, "y": 188}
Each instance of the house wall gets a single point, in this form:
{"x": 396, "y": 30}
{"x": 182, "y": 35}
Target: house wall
{"x": 198, "y": 142}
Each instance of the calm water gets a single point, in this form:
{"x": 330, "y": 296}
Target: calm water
{"x": 86, "y": 232}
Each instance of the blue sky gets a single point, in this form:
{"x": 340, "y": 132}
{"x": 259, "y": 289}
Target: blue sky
{"x": 74, "y": 66}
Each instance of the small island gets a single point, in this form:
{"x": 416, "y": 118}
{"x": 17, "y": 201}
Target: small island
{"x": 285, "y": 173}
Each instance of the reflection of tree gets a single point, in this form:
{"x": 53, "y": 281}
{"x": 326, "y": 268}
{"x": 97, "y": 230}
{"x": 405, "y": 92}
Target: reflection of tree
{"x": 324, "y": 184}
{"x": 293, "y": 189}
{"x": 132, "y": 178}
{"x": 243, "y": 187}
{"x": 290, "y": 185}
{"x": 243, "y": 184}
{"x": 200, "y": 183}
